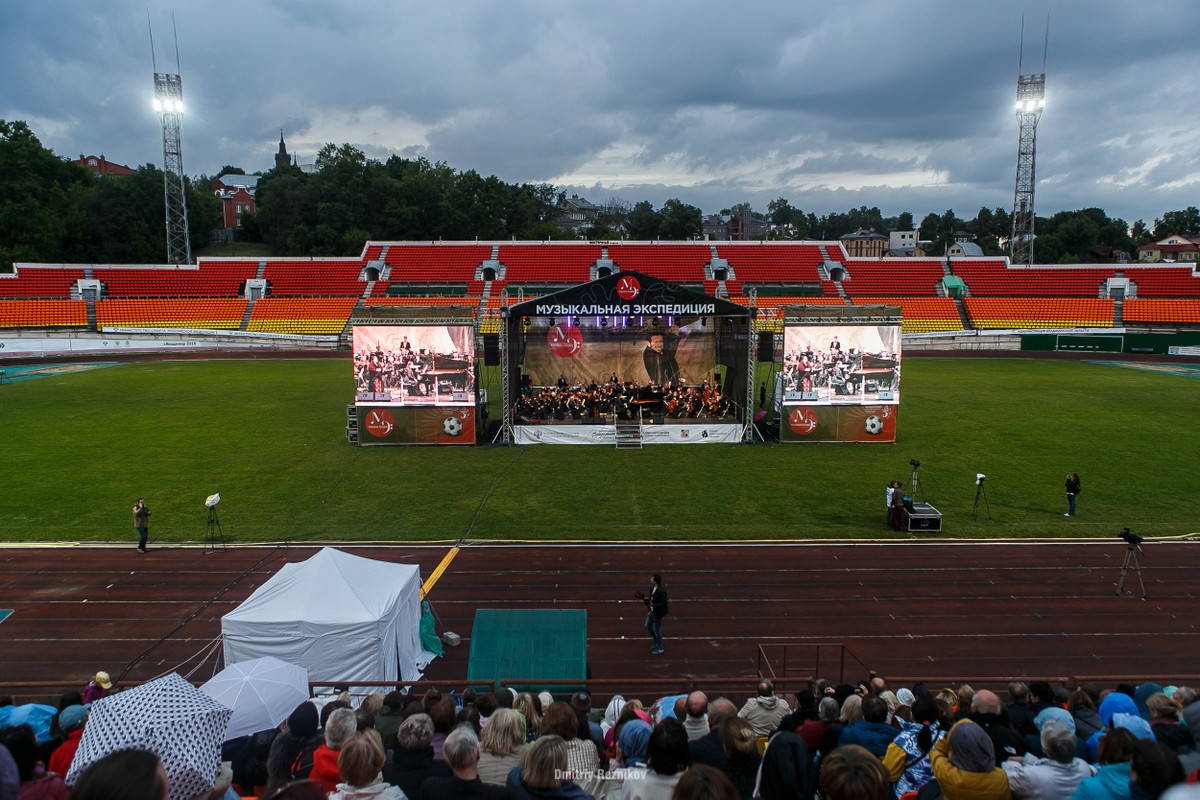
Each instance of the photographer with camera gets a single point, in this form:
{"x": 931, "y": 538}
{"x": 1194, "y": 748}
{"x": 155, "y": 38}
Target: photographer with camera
{"x": 656, "y": 605}
{"x": 1073, "y": 488}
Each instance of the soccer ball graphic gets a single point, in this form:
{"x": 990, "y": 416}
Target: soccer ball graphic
{"x": 874, "y": 424}
{"x": 452, "y": 426}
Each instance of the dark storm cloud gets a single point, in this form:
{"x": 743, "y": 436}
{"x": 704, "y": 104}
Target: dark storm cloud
{"x": 901, "y": 106}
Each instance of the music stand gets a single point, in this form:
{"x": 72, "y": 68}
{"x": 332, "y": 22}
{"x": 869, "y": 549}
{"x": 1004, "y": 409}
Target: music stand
{"x": 214, "y": 525}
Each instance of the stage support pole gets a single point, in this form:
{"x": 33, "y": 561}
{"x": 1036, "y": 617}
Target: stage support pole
{"x": 751, "y": 364}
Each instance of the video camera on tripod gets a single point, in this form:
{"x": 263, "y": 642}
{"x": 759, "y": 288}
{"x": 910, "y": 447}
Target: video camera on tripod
{"x": 1130, "y": 538}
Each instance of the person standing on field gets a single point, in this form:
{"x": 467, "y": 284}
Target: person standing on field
{"x": 141, "y": 521}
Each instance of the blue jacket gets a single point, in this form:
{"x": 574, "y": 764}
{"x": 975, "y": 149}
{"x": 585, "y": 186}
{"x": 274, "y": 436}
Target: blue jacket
{"x": 875, "y": 736}
{"x": 1111, "y": 782}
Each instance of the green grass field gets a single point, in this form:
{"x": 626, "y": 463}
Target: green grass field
{"x": 78, "y": 449}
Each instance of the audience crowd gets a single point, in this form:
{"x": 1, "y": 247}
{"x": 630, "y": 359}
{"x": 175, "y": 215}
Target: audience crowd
{"x": 864, "y": 742}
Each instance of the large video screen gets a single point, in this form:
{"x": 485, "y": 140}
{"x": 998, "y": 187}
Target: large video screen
{"x": 414, "y": 365}
{"x": 621, "y": 349}
{"x": 841, "y": 364}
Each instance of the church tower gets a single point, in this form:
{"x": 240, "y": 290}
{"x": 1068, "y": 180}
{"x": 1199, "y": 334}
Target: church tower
{"x": 281, "y": 158}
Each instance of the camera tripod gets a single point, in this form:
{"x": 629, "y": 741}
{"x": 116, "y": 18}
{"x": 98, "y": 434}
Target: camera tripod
{"x": 916, "y": 484}
{"x": 981, "y": 492}
{"x": 214, "y": 531}
{"x": 1131, "y": 562}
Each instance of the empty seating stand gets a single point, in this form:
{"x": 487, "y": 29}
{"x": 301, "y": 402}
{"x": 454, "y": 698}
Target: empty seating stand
{"x": 48, "y": 282}
{"x": 314, "y": 277}
{"x": 556, "y": 263}
{"x": 755, "y": 262}
{"x": 1039, "y": 312}
{"x": 679, "y": 263}
{"x": 921, "y": 314}
{"x": 310, "y": 315}
{"x": 43, "y": 314}
{"x": 204, "y": 313}
{"x": 893, "y": 277}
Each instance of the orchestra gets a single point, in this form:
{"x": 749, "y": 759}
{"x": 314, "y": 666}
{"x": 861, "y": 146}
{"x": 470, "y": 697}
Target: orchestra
{"x": 622, "y": 399}
{"x": 409, "y": 373}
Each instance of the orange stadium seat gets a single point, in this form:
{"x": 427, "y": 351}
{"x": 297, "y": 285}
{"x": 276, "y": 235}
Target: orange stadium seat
{"x": 1039, "y": 312}
{"x": 209, "y": 313}
{"x": 43, "y": 313}
{"x": 1162, "y": 310}
{"x": 315, "y": 315}
{"x": 38, "y": 281}
{"x": 755, "y": 262}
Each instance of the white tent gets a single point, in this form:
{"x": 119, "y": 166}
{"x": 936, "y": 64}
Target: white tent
{"x": 341, "y": 616}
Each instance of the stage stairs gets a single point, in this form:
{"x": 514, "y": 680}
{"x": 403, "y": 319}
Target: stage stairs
{"x": 628, "y": 433}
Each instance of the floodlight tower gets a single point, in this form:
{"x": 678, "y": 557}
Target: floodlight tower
{"x": 1031, "y": 97}
{"x": 168, "y": 102}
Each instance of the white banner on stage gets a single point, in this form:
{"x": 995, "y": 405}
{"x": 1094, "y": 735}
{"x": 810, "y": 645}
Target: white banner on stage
{"x": 724, "y": 433}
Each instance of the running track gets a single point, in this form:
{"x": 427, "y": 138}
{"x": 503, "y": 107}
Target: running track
{"x": 934, "y": 610}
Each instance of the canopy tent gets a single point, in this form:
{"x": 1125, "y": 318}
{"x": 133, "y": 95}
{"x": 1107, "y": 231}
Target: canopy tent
{"x": 340, "y": 616}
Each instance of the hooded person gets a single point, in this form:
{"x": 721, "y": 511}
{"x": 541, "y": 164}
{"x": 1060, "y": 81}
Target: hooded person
{"x": 1114, "y": 703}
{"x": 71, "y": 721}
{"x": 301, "y": 738}
{"x": 611, "y": 712}
{"x": 964, "y": 765}
{"x": 788, "y": 771}
{"x": 1141, "y": 694}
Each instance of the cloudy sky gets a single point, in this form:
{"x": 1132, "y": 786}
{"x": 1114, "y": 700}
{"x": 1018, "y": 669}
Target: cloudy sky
{"x": 905, "y": 106}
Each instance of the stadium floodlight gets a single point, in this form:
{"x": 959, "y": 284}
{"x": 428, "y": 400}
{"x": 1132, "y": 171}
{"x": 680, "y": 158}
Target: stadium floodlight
{"x": 212, "y": 500}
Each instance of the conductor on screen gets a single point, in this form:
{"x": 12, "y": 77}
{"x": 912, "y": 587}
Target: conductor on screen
{"x": 661, "y": 366}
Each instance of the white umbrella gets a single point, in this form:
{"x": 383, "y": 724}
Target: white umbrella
{"x": 261, "y": 692}
{"x": 169, "y": 717}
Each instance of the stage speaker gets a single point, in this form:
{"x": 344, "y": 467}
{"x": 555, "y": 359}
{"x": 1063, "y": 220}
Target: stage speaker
{"x": 766, "y": 346}
{"x": 491, "y": 349}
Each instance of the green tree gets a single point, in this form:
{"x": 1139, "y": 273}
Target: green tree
{"x": 1182, "y": 223}
{"x": 644, "y": 222}
{"x": 40, "y": 218}
{"x": 679, "y": 220}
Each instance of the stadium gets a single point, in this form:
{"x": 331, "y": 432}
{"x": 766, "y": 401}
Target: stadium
{"x": 238, "y": 377}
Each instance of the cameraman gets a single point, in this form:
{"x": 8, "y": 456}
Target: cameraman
{"x": 656, "y": 604}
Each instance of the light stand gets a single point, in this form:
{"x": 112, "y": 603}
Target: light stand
{"x": 214, "y": 525}
{"x": 1133, "y": 548}
{"x": 980, "y": 492}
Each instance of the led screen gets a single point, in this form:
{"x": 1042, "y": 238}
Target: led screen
{"x": 414, "y": 365}
{"x": 835, "y": 364}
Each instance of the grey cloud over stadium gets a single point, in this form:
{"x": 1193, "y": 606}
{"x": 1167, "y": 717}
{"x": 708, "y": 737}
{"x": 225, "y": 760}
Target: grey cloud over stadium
{"x": 909, "y": 107}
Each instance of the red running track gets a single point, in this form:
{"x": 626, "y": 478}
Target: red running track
{"x": 932, "y": 610}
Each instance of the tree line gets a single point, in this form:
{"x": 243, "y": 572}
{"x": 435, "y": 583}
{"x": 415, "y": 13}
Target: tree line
{"x": 53, "y": 210}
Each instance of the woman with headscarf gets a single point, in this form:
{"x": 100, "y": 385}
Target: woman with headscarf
{"x": 787, "y": 771}
{"x": 964, "y": 764}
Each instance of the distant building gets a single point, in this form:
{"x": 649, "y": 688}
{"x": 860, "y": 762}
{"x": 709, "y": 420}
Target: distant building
{"x": 744, "y": 227}
{"x": 102, "y": 166}
{"x": 903, "y": 243}
{"x": 715, "y": 228}
{"x": 865, "y": 244}
{"x": 576, "y": 213}
{"x": 1174, "y": 248}
{"x": 236, "y": 193}
{"x": 959, "y": 249}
